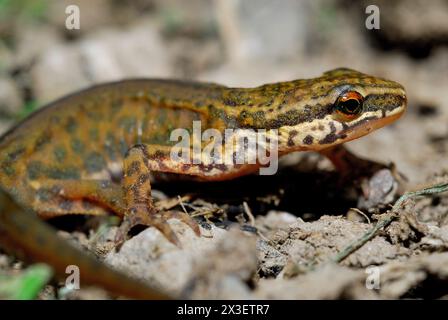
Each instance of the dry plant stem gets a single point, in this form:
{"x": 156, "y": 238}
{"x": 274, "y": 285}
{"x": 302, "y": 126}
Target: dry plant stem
{"x": 249, "y": 213}
{"x": 361, "y": 213}
{"x": 387, "y": 219}
{"x": 182, "y": 204}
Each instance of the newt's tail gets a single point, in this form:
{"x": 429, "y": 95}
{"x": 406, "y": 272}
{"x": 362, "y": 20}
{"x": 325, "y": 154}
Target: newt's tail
{"x": 25, "y": 234}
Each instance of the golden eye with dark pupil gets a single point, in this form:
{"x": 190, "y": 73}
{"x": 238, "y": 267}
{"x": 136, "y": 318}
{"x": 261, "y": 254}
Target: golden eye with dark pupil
{"x": 349, "y": 105}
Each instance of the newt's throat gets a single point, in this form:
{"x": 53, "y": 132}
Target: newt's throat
{"x": 324, "y": 133}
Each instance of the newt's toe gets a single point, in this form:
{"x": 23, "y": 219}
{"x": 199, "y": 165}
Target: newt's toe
{"x": 156, "y": 219}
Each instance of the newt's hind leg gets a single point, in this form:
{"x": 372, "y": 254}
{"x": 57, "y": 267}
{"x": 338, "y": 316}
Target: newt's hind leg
{"x": 138, "y": 201}
{"x": 53, "y": 197}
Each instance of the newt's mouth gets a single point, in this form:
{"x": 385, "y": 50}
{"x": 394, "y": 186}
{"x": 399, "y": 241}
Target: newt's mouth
{"x": 371, "y": 123}
{"x": 393, "y": 107}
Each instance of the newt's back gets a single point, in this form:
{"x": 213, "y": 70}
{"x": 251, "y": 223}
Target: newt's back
{"x": 86, "y": 135}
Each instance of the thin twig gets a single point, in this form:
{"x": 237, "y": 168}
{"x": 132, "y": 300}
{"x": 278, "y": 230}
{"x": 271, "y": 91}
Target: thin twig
{"x": 249, "y": 213}
{"x": 361, "y": 213}
{"x": 387, "y": 219}
{"x": 263, "y": 237}
{"x": 182, "y": 204}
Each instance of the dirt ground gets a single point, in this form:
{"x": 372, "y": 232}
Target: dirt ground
{"x": 269, "y": 237}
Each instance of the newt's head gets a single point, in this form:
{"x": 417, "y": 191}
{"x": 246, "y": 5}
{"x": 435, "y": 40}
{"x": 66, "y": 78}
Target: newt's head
{"x": 337, "y": 107}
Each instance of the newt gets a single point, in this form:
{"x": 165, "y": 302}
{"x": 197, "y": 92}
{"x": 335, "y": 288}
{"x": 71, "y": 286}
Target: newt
{"x": 93, "y": 152}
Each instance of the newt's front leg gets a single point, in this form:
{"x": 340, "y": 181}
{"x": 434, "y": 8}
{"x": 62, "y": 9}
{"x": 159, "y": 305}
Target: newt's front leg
{"x": 379, "y": 183}
{"x": 138, "y": 203}
{"x": 132, "y": 200}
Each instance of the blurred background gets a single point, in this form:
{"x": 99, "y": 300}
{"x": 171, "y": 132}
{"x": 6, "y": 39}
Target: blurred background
{"x": 237, "y": 43}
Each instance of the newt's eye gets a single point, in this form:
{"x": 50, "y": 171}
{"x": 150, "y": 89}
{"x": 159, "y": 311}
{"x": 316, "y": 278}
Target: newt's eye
{"x": 349, "y": 105}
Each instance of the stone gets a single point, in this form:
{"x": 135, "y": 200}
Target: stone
{"x": 210, "y": 266}
{"x": 11, "y": 100}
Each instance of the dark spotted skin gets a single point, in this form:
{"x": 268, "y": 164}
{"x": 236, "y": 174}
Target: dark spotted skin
{"x": 93, "y": 152}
